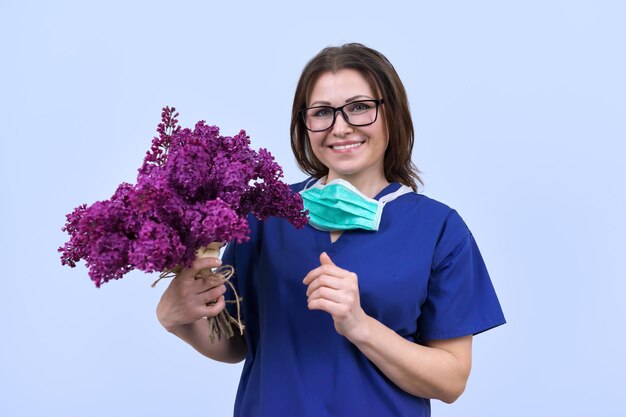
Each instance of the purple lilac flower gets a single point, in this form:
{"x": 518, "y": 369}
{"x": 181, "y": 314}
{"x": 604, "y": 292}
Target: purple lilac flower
{"x": 195, "y": 187}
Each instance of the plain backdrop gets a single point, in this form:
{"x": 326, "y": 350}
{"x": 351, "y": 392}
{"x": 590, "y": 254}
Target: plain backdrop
{"x": 519, "y": 108}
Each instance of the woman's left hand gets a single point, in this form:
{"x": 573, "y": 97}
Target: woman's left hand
{"x": 336, "y": 291}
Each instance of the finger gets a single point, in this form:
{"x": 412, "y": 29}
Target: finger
{"x": 210, "y": 262}
{"x": 213, "y": 309}
{"x": 327, "y": 269}
{"x": 324, "y": 281}
{"x": 324, "y": 305}
{"x": 212, "y": 293}
{"x": 331, "y": 294}
{"x": 325, "y": 259}
{"x": 312, "y": 275}
{"x": 207, "y": 278}
{"x": 189, "y": 273}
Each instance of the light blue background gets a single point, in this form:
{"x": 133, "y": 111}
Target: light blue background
{"x": 519, "y": 109}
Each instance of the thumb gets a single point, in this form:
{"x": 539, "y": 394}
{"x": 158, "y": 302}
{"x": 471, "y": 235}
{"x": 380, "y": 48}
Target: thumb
{"x": 325, "y": 259}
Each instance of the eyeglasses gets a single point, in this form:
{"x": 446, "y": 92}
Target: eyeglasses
{"x": 356, "y": 113}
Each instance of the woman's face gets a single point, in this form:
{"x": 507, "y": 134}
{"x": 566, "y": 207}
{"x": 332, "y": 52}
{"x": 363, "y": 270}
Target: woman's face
{"x": 354, "y": 153}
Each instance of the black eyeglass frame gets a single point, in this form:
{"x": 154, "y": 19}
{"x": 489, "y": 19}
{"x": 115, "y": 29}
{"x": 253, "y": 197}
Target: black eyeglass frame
{"x": 378, "y": 102}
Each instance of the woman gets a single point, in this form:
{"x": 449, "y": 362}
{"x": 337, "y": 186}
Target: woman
{"x": 370, "y": 309}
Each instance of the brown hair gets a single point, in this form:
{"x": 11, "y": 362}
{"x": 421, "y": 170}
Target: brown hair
{"x": 383, "y": 78}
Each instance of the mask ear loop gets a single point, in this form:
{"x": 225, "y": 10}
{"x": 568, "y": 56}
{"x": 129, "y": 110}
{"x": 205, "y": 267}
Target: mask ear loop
{"x": 398, "y": 193}
{"x": 308, "y": 183}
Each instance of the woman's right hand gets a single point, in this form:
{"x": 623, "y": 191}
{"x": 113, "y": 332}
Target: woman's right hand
{"x": 187, "y": 299}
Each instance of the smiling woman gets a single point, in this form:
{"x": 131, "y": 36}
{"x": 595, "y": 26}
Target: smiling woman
{"x": 370, "y": 309}
{"x": 371, "y": 76}
{"x": 349, "y": 151}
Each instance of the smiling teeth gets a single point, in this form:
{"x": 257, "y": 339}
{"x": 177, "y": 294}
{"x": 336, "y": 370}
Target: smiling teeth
{"x": 342, "y": 147}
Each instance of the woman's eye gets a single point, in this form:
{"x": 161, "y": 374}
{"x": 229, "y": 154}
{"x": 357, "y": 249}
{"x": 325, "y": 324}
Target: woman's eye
{"x": 322, "y": 112}
{"x": 359, "y": 107}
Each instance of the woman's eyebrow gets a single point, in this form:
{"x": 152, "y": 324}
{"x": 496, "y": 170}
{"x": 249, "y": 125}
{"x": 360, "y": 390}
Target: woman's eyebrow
{"x": 348, "y": 100}
{"x": 360, "y": 96}
{"x": 319, "y": 103}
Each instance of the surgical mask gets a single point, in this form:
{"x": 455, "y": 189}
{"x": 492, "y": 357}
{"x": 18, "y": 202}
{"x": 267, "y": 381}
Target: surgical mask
{"x": 338, "y": 205}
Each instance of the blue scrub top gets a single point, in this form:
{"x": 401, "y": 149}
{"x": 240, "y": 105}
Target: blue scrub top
{"x": 420, "y": 274}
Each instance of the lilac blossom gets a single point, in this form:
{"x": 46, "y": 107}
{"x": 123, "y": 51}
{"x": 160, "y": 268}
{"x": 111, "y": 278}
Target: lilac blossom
{"x": 195, "y": 187}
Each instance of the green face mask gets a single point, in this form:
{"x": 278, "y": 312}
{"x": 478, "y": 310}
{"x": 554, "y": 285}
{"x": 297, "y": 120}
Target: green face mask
{"x": 338, "y": 205}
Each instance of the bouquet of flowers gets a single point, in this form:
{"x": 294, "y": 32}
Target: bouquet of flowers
{"x": 194, "y": 191}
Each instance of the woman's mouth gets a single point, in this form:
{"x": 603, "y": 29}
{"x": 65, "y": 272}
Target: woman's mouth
{"x": 345, "y": 147}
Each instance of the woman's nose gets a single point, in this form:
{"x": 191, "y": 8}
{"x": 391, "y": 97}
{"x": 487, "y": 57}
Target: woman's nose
{"x": 341, "y": 126}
